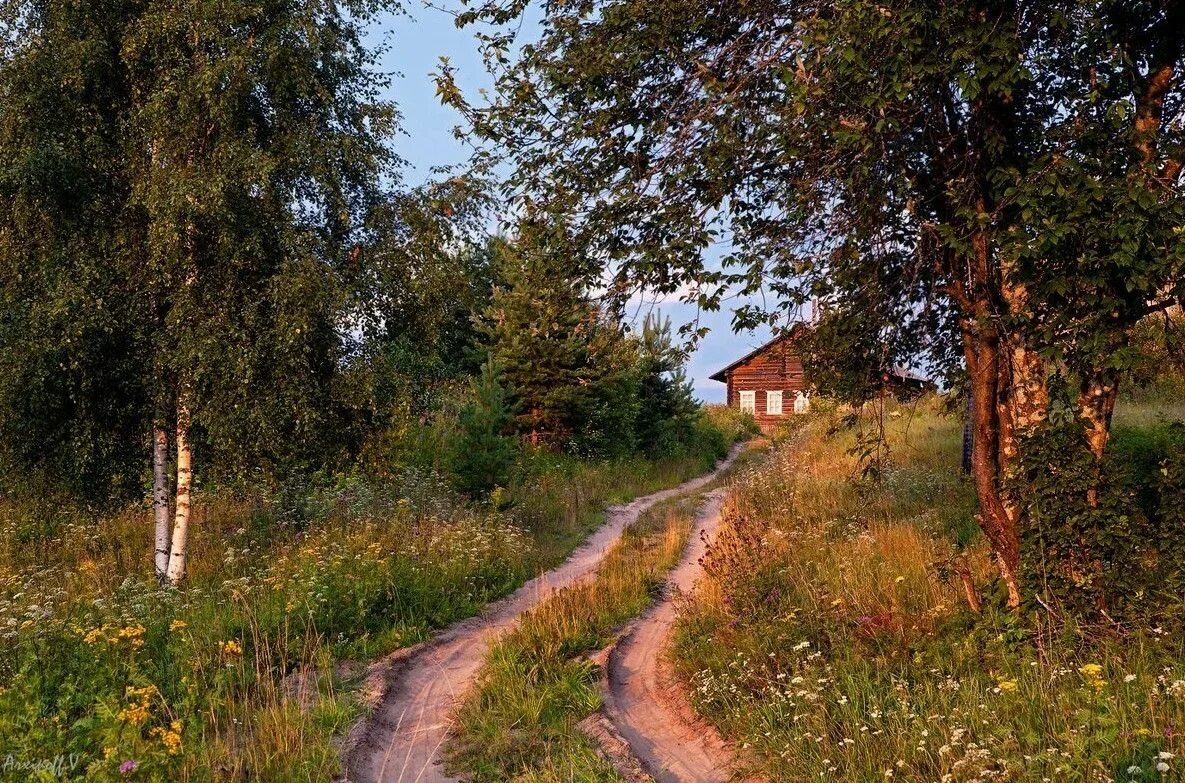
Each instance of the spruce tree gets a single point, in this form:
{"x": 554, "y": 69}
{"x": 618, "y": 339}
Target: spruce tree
{"x": 540, "y": 327}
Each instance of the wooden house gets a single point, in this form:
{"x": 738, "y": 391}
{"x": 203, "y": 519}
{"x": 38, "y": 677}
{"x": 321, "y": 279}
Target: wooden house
{"x": 767, "y": 382}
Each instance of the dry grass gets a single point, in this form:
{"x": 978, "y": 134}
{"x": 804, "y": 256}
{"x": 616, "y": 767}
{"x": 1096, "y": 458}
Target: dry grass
{"x": 836, "y": 643}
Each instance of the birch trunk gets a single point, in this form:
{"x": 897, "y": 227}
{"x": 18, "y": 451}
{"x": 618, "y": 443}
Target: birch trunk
{"x": 160, "y": 499}
{"x": 180, "y": 543}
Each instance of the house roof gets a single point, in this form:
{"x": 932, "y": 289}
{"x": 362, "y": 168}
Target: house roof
{"x": 898, "y": 371}
{"x": 722, "y": 375}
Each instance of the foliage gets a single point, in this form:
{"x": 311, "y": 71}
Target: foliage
{"x": 832, "y": 637}
{"x": 72, "y": 397}
{"x": 1079, "y": 554}
{"x": 483, "y": 452}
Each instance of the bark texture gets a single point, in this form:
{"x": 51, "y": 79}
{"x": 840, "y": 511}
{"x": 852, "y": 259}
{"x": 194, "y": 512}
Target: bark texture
{"x": 1096, "y": 404}
{"x": 180, "y": 543}
{"x": 160, "y": 499}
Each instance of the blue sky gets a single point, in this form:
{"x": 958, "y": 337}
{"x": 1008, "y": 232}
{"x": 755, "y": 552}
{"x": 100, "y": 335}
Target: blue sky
{"x": 416, "y": 41}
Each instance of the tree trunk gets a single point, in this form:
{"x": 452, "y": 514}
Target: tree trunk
{"x": 1000, "y": 527}
{"x": 160, "y": 498}
{"x": 1096, "y": 404}
{"x": 180, "y": 543}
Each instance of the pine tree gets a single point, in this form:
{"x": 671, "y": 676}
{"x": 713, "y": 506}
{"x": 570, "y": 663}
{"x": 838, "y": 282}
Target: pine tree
{"x": 485, "y": 450}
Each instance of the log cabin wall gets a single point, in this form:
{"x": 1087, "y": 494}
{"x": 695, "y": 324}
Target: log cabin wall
{"x": 774, "y": 368}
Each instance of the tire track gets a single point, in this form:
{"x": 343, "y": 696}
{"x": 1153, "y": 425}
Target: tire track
{"x": 401, "y": 741}
{"x": 644, "y": 704}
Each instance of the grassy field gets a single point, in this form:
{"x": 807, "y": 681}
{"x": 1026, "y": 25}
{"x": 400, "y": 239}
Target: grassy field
{"x": 833, "y": 638}
{"x": 238, "y": 676}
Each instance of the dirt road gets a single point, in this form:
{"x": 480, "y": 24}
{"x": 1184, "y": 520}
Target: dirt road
{"x": 642, "y": 703}
{"x": 401, "y": 741}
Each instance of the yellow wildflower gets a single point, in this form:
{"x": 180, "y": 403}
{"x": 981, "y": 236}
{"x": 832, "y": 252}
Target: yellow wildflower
{"x": 178, "y": 625}
{"x": 134, "y": 714}
{"x": 1007, "y": 686}
{"x": 232, "y": 647}
{"x": 94, "y": 636}
{"x": 170, "y": 737}
{"x": 1092, "y": 673}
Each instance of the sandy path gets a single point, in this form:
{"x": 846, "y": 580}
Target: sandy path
{"x": 642, "y": 701}
{"x": 401, "y": 741}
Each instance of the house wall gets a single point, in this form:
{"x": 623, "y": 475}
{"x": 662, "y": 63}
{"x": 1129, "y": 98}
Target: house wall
{"x": 771, "y": 370}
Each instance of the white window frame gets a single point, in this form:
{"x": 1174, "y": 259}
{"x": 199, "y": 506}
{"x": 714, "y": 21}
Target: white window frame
{"x": 772, "y": 396}
{"x": 748, "y": 402}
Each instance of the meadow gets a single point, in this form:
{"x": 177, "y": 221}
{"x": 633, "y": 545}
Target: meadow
{"x": 835, "y": 638}
{"x": 248, "y": 671}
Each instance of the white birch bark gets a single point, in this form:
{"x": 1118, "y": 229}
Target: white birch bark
{"x": 160, "y": 498}
{"x": 180, "y": 544}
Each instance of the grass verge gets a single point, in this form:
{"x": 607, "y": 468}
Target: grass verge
{"x": 833, "y": 638}
{"x": 238, "y": 676}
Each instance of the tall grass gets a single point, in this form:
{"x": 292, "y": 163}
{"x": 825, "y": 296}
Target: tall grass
{"x": 240, "y": 674}
{"x": 834, "y": 638}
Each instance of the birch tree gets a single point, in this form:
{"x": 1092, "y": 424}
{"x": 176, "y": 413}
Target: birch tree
{"x": 256, "y": 147}
{"x": 184, "y": 187}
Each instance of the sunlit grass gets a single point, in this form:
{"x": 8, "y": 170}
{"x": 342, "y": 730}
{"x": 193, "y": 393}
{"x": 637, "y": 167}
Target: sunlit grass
{"x": 835, "y": 640}
{"x": 237, "y": 676}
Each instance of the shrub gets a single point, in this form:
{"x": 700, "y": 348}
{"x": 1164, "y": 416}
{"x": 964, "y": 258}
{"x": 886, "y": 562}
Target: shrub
{"x": 1122, "y": 558}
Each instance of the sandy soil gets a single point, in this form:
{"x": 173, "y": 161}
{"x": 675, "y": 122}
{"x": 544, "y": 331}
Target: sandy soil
{"x": 419, "y": 688}
{"x": 644, "y": 704}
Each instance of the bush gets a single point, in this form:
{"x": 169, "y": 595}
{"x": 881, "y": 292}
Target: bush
{"x": 1122, "y": 558}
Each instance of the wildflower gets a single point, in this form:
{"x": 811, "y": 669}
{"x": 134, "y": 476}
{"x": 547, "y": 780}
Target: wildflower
{"x": 1164, "y": 755}
{"x": 1129, "y": 678}
{"x": 94, "y": 635}
{"x": 1162, "y": 767}
{"x": 1007, "y": 686}
{"x": 1134, "y": 770}
{"x": 128, "y": 767}
{"x": 232, "y": 647}
{"x": 170, "y": 737}
{"x": 1092, "y": 673}
{"x": 134, "y": 634}
{"x": 178, "y": 625}
{"x": 134, "y": 714}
